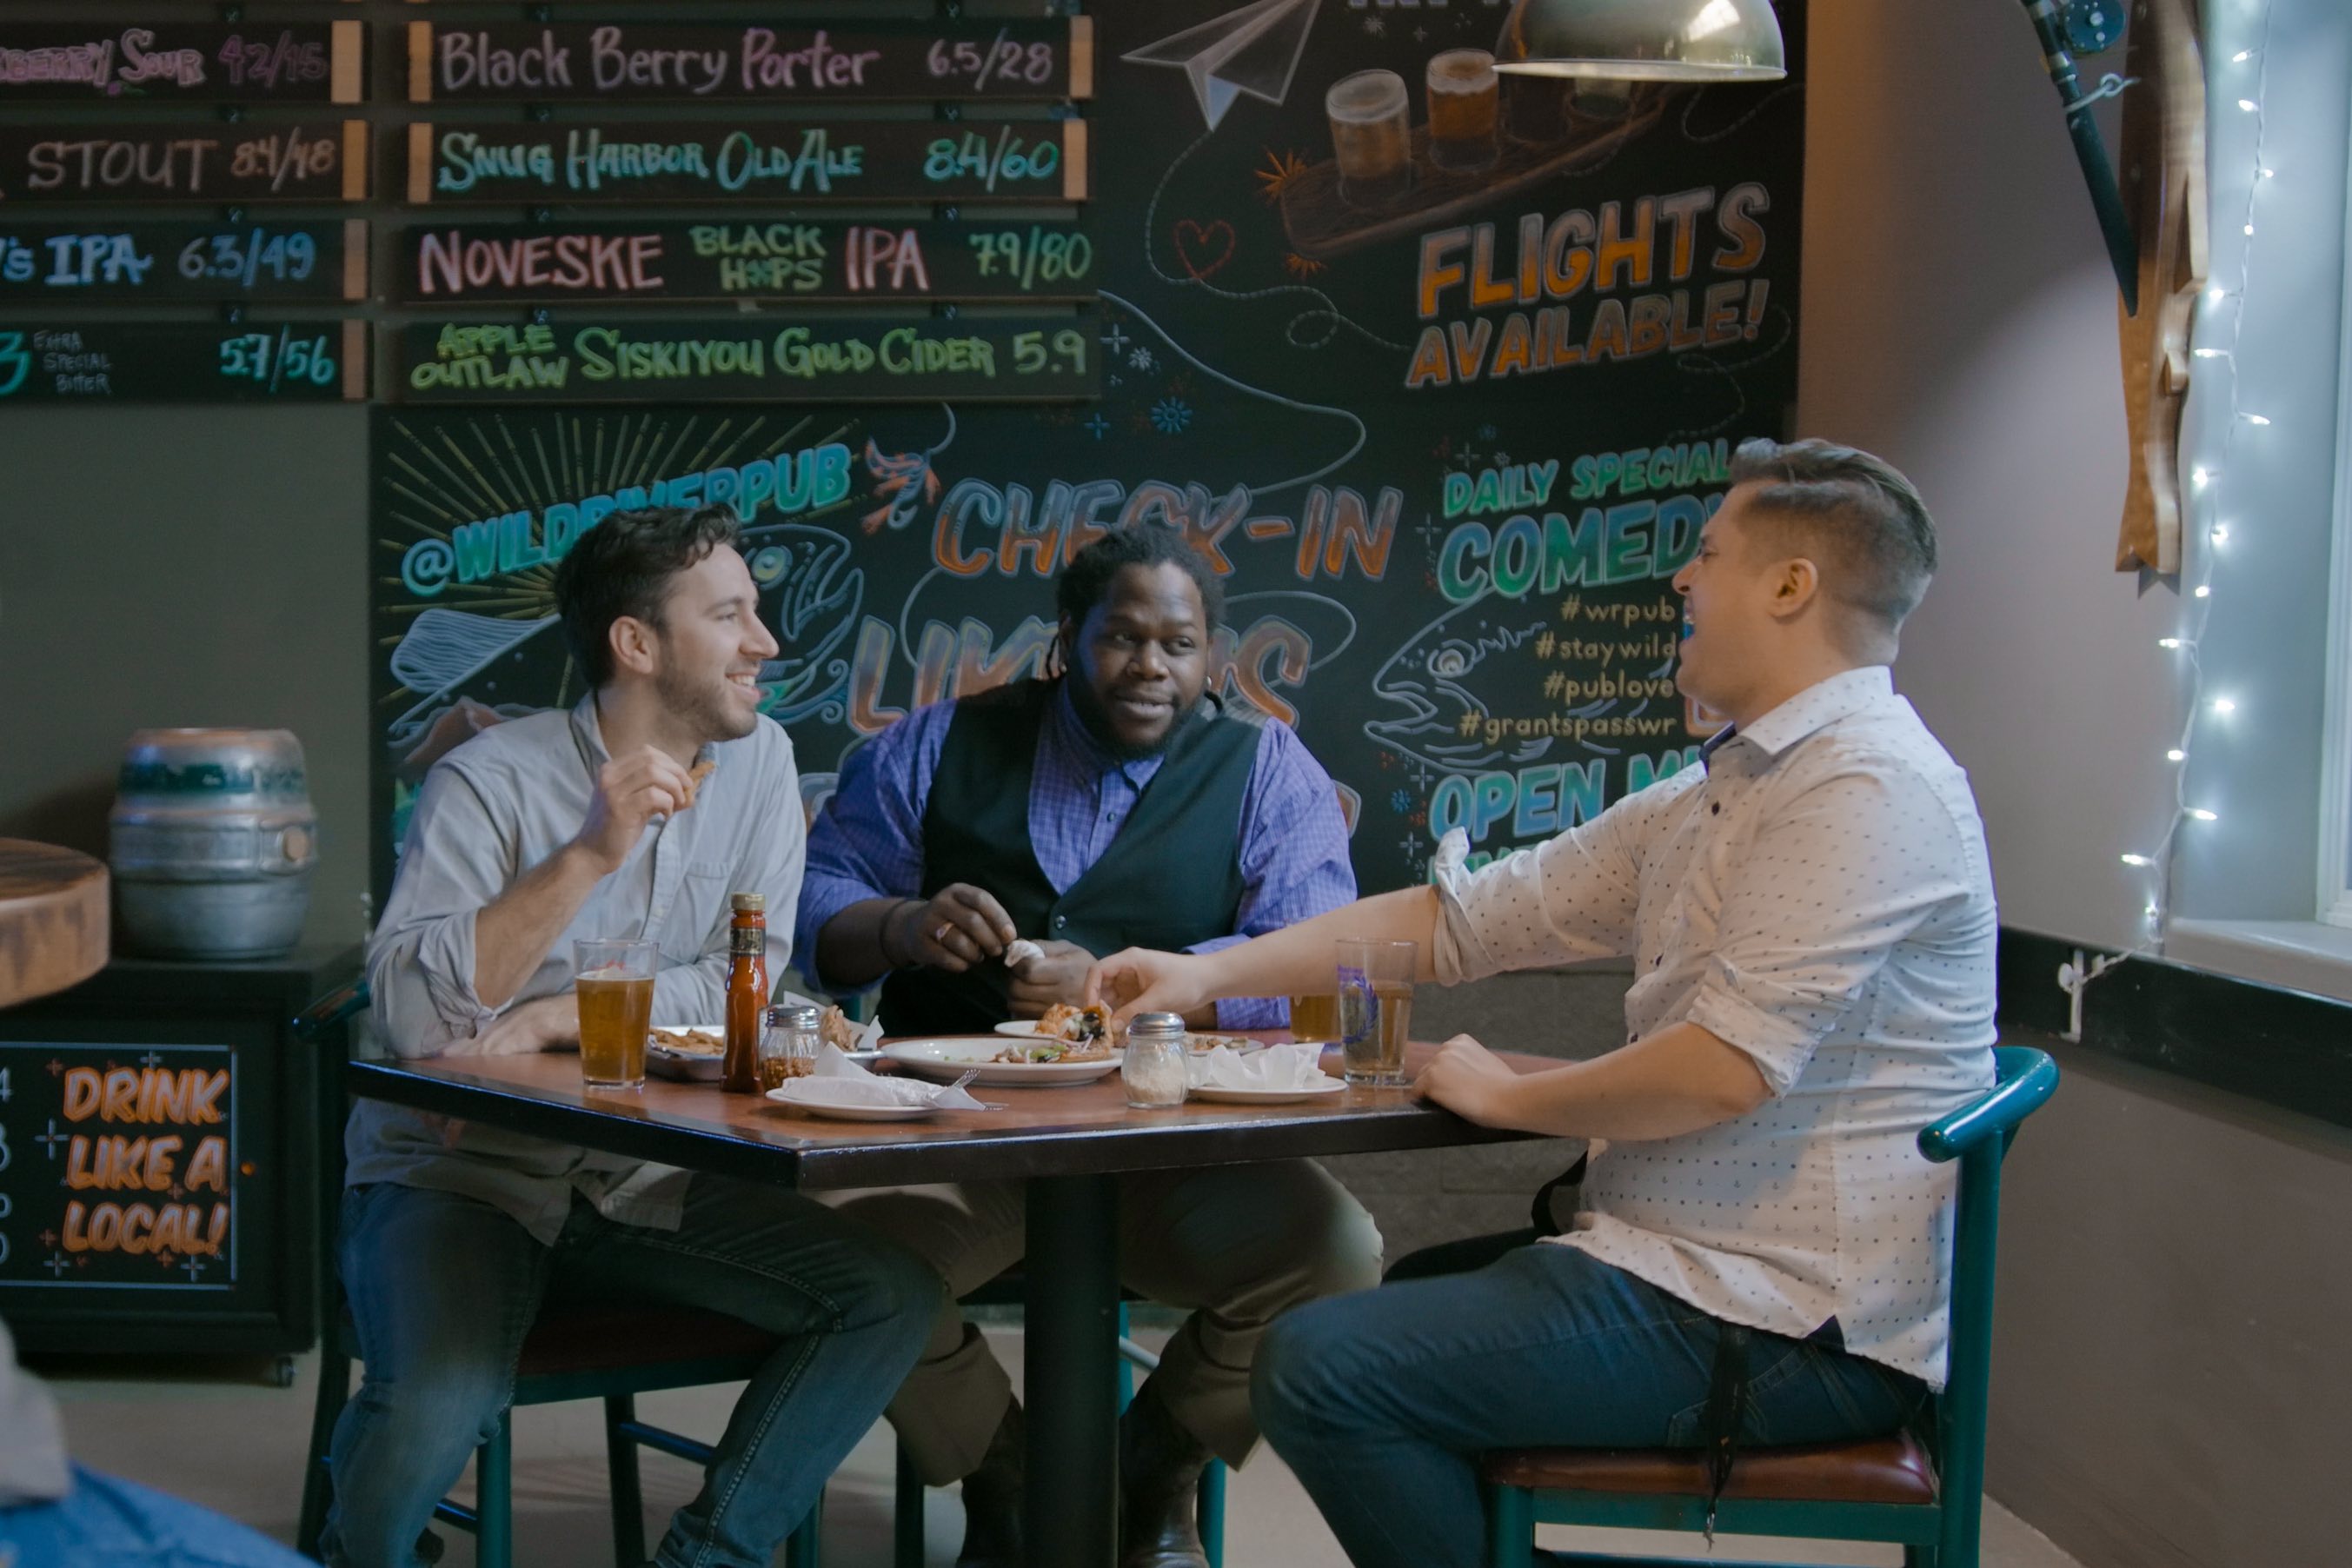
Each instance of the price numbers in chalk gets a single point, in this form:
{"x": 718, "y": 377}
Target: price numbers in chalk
{"x": 1005, "y": 60}
{"x": 290, "y": 356}
{"x": 1034, "y": 256}
{"x": 1001, "y": 160}
{"x": 268, "y": 63}
{"x": 1064, "y": 356}
{"x": 144, "y": 260}
{"x": 250, "y": 257}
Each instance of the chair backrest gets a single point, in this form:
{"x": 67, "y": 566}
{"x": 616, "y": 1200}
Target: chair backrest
{"x": 1978, "y": 1136}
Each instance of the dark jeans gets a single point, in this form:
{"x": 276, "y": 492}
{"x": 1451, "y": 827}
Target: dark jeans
{"x": 1382, "y": 1401}
{"x": 443, "y": 1288}
{"x": 106, "y": 1523}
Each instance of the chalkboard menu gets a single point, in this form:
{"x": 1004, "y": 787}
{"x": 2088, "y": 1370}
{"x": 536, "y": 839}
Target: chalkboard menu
{"x": 1441, "y": 372}
{"x": 766, "y": 161}
{"x": 751, "y": 258}
{"x": 826, "y": 359}
{"x": 545, "y": 62}
{"x": 136, "y": 361}
{"x": 200, "y": 162}
{"x": 145, "y": 260}
{"x": 119, "y": 1166}
{"x": 180, "y": 62}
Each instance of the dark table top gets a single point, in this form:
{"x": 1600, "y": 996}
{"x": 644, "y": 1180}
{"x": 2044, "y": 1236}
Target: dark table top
{"x": 1086, "y": 1130}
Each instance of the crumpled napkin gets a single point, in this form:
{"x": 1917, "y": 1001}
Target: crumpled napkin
{"x": 1275, "y": 1067}
{"x": 846, "y": 1082}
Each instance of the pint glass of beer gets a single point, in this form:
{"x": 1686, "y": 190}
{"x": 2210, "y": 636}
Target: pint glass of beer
{"x": 1462, "y": 109}
{"x": 1371, "y": 135}
{"x": 1375, "y": 1008}
{"x": 614, "y": 981}
{"x": 1316, "y": 1015}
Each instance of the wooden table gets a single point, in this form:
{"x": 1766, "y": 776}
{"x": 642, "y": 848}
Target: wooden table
{"x": 1068, "y": 1145}
{"x": 53, "y": 919}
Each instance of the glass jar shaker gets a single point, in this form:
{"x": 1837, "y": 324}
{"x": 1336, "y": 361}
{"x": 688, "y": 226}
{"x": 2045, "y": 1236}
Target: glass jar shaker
{"x": 788, "y": 1043}
{"x": 1158, "y": 1051}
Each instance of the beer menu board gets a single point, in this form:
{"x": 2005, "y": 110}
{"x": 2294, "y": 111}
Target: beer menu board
{"x": 145, "y": 261}
{"x": 542, "y": 62}
{"x": 195, "y": 161}
{"x": 1442, "y": 372}
{"x": 828, "y": 359}
{"x": 814, "y": 259}
{"x": 767, "y": 162}
{"x": 180, "y": 62}
{"x": 119, "y": 1167}
{"x": 133, "y": 361}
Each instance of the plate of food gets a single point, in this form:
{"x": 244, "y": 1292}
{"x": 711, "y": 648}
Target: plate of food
{"x": 1005, "y": 1063}
{"x": 691, "y": 1053}
{"x": 1062, "y": 1021}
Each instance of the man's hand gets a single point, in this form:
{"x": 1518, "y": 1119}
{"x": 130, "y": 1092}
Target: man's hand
{"x": 959, "y": 928}
{"x": 1057, "y": 975}
{"x": 541, "y": 1025}
{"x": 1469, "y": 1080}
{"x": 1140, "y": 979}
{"x": 631, "y": 790}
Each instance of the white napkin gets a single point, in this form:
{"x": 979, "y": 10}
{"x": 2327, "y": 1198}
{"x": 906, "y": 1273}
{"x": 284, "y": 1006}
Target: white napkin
{"x": 1285, "y": 1067}
{"x": 846, "y": 1082}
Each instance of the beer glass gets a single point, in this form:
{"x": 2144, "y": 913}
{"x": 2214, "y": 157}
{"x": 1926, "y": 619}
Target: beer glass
{"x": 1371, "y": 135}
{"x": 614, "y": 981}
{"x": 1316, "y": 1017}
{"x": 1462, "y": 109}
{"x": 1375, "y": 1008}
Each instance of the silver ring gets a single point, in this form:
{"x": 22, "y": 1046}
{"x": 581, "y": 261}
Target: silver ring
{"x": 940, "y": 936}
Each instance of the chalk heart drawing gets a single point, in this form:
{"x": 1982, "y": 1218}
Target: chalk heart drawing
{"x": 1203, "y": 248}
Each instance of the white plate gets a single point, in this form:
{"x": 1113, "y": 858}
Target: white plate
{"x": 804, "y": 1094}
{"x": 945, "y": 1059}
{"x": 686, "y": 1067}
{"x": 1023, "y": 1029}
{"x": 1265, "y": 1096}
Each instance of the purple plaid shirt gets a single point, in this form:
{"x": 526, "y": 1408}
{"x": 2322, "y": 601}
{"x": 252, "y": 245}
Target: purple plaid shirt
{"x": 867, "y": 842}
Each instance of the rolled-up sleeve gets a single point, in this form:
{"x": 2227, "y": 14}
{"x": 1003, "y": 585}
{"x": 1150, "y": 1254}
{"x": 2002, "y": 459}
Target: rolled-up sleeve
{"x": 1569, "y": 899}
{"x": 1293, "y": 860}
{"x": 421, "y": 960}
{"x": 867, "y": 842}
{"x": 1835, "y": 879}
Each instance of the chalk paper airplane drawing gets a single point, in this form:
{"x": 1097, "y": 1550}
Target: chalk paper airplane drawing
{"x": 1254, "y": 49}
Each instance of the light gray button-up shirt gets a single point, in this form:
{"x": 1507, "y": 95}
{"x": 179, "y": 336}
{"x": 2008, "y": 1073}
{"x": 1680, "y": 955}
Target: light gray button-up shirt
{"x": 1817, "y": 897}
{"x": 490, "y": 811}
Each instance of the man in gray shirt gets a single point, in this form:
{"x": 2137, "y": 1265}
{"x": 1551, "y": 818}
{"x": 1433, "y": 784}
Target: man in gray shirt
{"x": 537, "y": 833}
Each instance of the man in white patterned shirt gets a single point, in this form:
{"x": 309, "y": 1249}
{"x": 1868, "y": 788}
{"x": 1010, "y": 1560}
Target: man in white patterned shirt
{"x": 1811, "y": 917}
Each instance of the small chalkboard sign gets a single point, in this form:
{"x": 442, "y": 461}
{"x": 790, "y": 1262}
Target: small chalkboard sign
{"x": 172, "y": 161}
{"x": 182, "y": 62}
{"x": 626, "y": 162}
{"x": 183, "y": 361}
{"x": 824, "y": 358}
{"x": 764, "y": 258}
{"x": 119, "y": 1168}
{"x": 549, "y": 62}
{"x": 146, "y": 261}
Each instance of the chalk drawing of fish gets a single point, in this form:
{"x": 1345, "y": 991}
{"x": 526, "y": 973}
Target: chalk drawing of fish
{"x": 903, "y": 482}
{"x": 1447, "y": 673}
{"x": 818, "y": 595}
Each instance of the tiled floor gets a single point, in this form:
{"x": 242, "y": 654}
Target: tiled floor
{"x": 238, "y": 1448}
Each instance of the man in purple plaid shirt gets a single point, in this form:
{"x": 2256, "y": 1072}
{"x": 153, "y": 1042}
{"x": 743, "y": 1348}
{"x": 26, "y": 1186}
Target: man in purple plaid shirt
{"x": 1116, "y": 802}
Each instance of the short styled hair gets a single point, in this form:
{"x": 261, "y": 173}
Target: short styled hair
{"x": 1861, "y": 521}
{"x": 1086, "y": 581}
{"x": 622, "y": 567}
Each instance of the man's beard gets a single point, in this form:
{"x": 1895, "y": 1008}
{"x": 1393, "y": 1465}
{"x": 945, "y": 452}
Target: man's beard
{"x": 1096, "y": 720}
{"x": 701, "y": 706}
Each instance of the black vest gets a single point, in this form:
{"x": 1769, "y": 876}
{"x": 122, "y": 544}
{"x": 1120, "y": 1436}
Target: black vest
{"x": 1171, "y": 876}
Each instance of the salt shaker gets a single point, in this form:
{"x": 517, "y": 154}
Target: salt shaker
{"x": 1154, "y": 1067}
{"x": 788, "y": 1043}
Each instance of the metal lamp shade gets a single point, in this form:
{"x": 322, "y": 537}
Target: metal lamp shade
{"x": 1644, "y": 40}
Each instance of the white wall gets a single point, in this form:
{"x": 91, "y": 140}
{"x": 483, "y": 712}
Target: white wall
{"x": 1960, "y": 322}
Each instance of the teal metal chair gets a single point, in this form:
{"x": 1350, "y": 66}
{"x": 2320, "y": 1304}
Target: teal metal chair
{"x": 1927, "y": 1497}
{"x": 611, "y": 1352}
{"x": 907, "y": 1510}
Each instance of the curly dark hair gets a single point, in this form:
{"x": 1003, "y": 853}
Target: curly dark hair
{"x": 623, "y": 565}
{"x": 1086, "y": 581}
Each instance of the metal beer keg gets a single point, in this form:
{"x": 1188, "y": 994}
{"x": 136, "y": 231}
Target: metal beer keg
{"x": 213, "y": 843}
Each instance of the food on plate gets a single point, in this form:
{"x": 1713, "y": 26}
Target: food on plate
{"x": 690, "y": 1042}
{"x": 1064, "y": 1022}
{"x": 1096, "y": 1050}
{"x": 833, "y": 1027}
{"x": 1201, "y": 1044}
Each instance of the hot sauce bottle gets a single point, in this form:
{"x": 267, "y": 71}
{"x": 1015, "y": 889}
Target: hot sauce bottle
{"x": 747, "y": 992}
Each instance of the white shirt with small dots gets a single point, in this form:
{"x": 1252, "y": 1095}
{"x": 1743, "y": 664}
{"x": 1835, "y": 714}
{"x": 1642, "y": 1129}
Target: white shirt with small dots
{"x": 1818, "y": 896}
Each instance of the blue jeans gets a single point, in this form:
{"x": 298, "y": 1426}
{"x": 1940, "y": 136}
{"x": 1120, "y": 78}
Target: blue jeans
{"x": 443, "y": 1288}
{"x": 1382, "y": 1401}
{"x": 108, "y": 1523}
